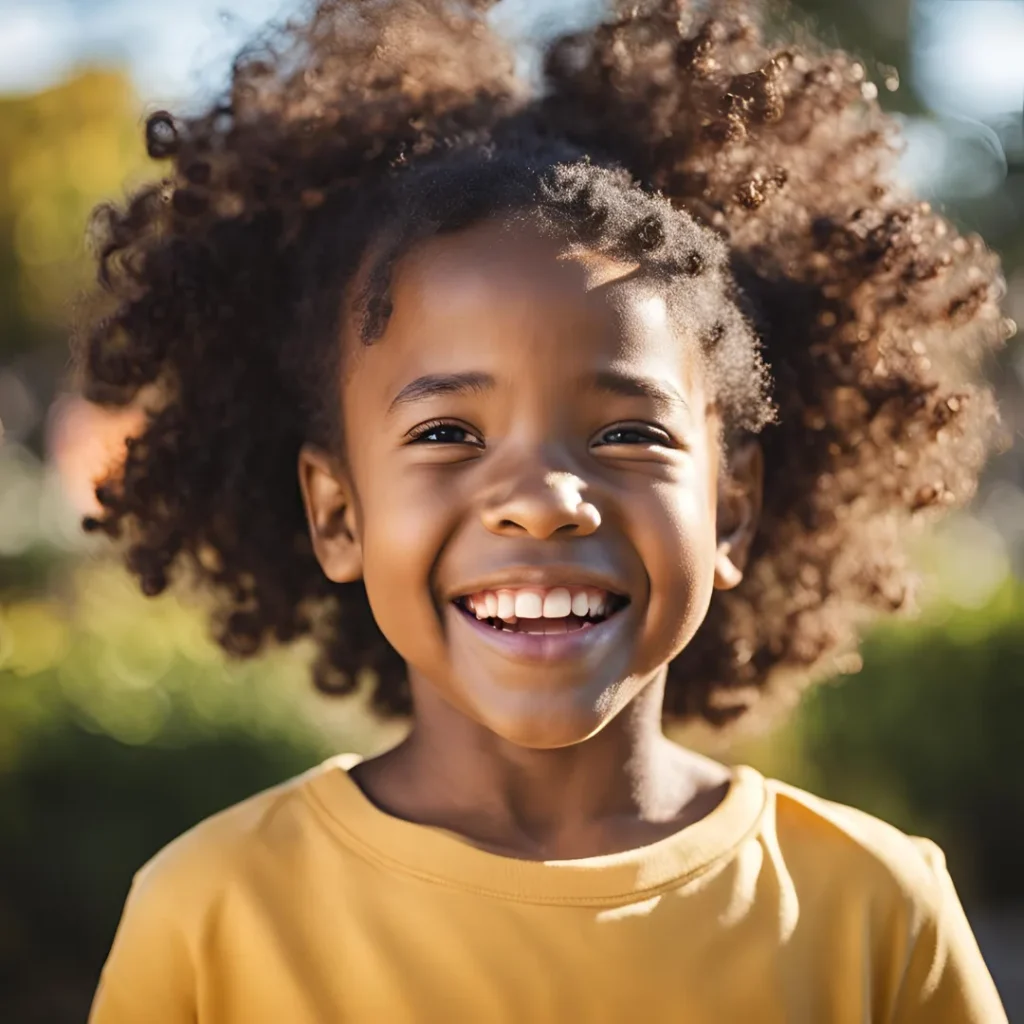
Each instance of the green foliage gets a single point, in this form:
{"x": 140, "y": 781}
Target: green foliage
{"x": 875, "y": 30}
{"x": 122, "y": 725}
{"x": 79, "y": 817}
{"x": 928, "y": 737}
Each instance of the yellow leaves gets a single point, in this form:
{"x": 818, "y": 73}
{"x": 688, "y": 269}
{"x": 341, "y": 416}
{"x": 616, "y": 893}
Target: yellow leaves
{"x": 33, "y": 637}
{"x": 61, "y": 152}
{"x": 40, "y": 235}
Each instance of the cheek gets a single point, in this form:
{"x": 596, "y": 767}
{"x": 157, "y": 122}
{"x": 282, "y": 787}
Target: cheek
{"x": 404, "y": 528}
{"x": 677, "y": 545}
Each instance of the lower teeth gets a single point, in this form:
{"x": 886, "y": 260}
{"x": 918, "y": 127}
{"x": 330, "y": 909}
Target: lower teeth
{"x": 542, "y": 626}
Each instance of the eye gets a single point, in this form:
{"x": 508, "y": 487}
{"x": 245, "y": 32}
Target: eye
{"x": 443, "y": 432}
{"x": 634, "y": 434}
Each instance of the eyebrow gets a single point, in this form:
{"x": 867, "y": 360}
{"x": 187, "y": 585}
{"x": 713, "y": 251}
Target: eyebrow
{"x": 433, "y": 384}
{"x": 629, "y": 386}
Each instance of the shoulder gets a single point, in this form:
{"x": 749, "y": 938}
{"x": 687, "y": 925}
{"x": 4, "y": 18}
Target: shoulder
{"x": 194, "y": 870}
{"x": 824, "y": 841}
{"x": 889, "y": 891}
{"x": 179, "y": 894}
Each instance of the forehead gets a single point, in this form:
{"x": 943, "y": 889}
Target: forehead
{"x": 523, "y": 303}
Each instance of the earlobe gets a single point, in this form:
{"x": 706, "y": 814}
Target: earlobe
{"x": 740, "y": 493}
{"x": 330, "y": 514}
{"x": 727, "y": 573}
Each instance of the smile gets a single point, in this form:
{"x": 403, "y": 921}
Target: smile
{"x": 541, "y": 610}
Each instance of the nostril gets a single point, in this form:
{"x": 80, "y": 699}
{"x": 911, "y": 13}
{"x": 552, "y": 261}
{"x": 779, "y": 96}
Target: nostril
{"x": 512, "y": 526}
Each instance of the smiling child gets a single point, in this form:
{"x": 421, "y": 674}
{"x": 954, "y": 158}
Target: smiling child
{"x": 561, "y": 409}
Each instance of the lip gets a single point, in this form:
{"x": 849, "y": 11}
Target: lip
{"x": 545, "y": 647}
{"x": 544, "y": 576}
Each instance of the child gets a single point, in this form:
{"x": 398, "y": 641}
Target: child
{"x": 609, "y": 399}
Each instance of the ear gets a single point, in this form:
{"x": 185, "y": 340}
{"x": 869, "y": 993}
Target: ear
{"x": 330, "y": 512}
{"x": 740, "y": 491}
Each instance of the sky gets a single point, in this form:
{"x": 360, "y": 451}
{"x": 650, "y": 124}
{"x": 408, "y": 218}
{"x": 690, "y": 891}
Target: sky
{"x": 175, "y": 51}
{"x": 969, "y": 55}
{"x": 969, "y": 58}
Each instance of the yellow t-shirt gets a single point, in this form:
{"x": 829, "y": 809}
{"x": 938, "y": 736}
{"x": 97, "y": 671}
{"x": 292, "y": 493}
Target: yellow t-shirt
{"x": 308, "y": 905}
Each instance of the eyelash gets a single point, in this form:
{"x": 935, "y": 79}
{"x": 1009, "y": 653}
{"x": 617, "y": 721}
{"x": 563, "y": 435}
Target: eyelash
{"x": 420, "y": 434}
{"x": 648, "y": 433}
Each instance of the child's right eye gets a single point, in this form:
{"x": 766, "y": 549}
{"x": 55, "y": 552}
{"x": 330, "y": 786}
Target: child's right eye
{"x": 443, "y": 433}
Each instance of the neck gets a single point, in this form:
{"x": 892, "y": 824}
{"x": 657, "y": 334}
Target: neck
{"x": 454, "y": 773}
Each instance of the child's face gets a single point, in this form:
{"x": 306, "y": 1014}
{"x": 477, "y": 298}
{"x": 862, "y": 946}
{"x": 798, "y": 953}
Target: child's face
{"x": 530, "y": 422}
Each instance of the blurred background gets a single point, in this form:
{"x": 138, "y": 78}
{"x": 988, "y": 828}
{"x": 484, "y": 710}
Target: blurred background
{"x": 121, "y": 724}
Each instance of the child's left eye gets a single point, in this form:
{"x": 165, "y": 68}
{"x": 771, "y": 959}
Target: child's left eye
{"x": 634, "y": 434}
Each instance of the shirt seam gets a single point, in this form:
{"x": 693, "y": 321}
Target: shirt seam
{"x": 372, "y": 855}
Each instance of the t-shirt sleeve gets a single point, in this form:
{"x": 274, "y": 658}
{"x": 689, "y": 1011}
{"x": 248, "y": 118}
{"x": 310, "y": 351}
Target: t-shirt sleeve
{"x": 148, "y": 975}
{"x": 946, "y": 980}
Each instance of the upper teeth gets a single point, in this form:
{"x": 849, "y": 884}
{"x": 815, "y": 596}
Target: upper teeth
{"x": 538, "y": 602}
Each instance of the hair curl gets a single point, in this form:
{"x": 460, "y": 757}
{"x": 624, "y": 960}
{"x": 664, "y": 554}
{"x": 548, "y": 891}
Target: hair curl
{"x": 671, "y": 133}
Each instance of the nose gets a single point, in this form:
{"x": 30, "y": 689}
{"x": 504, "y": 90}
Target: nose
{"x": 541, "y": 505}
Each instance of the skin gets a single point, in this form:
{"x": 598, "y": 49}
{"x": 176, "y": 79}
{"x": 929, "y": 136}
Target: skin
{"x": 542, "y": 461}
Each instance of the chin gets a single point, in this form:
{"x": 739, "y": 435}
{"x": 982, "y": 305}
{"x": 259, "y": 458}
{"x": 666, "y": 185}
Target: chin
{"x": 532, "y": 737}
{"x": 529, "y": 721}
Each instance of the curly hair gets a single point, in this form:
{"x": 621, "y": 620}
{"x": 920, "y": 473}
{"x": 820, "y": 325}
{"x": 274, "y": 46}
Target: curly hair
{"x": 760, "y": 178}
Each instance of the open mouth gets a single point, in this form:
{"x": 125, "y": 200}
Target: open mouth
{"x": 541, "y": 610}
